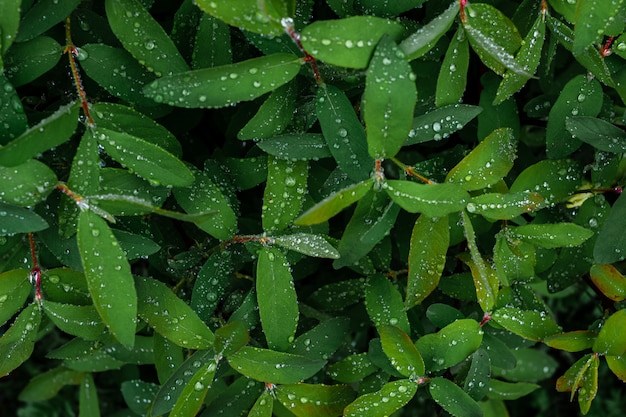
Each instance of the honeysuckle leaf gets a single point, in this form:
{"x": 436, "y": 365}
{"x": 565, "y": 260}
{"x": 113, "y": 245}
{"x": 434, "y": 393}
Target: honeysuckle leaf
{"x": 348, "y": 42}
{"x": 273, "y": 116}
{"x": 27, "y": 61}
{"x": 322, "y": 340}
{"x": 14, "y": 290}
{"x": 453, "y": 399}
{"x": 391, "y": 397}
{"x": 582, "y": 377}
{"x": 338, "y": 295}
{"x": 533, "y": 325}
{"x": 193, "y": 394}
{"x": 599, "y": 133}
{"x": 352, "y": 368}
{"x": 284, "y": 193}
{"x": 450, "y": 345}
{"x": 552, "y": 235}
{"x": 296, "y": 146}
{"x": 553, "y": 180}
{"x": 452, "y": 78}
{"x": 574, "y": 341}
{"x": 497, "y": 206}
{"x": 11, "y": 110}
{"x": 263, "y": 406}
{"x": 81, "y": 321}
{"x": 26, "y": 184}
{"x": 225, "y": 85}
{"x": 501, "y": 390}
{"x": 478, "y": 380}
{"x": 308, "y": 244}
{"x": 18, "y": 341}
{"x": 256, "y": 16}
{"x": 211, "y": 283}
{"x": 611, "y": 340}
{"x": 42, "y": 16}
{"x": 401, "y": 351}
{"x": 307, "y": 400}
{"x": 609, "y": 280}
{"x": 441, "y": 122}
{"x": 514, "y": 259}
{"x": 15, "y": 219}
{"x": 617, "y": 365}
{"x": 432, "y": 200}
{"x": 422, "y": 41}
{"x": 384, "y": 304}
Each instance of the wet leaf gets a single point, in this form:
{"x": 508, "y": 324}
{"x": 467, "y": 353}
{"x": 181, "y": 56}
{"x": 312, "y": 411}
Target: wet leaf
{"x": 19, "y": 220}
{"x": 213, "y": 46}
{"x": 450, "y": 345}
{"x": 452, "y": 77}
{"x": 170, "y": 316}
{"x": 343, "y": 132}
{"x": 308, "y": 244}
{"x": 81, "y": 321}
{"x": 401, "y": 351}
{"x": 552, "y": 235}
{"x": 338, "y": 295}
{"x": 592, "y": 19}
{"x": 513, "y": 259}
{"x": 225, "y": 85}
{"x": 453, "y": 399}
{"x": 582, "y": 377}
{"x": 296, "y": 146}
{"x": 611, "y": 340}
{"x": 11, "y": 111}
{"x": 284, "y": 193}
{"x": 9, "y": 22}
{"x": 42, "y": 16}
{"x": 14, "y": 290}
{"x": 427, "y": 257}
{"x": 432, "y": 200}
{"x": 48, "y": 133}
{"x": 231, "y": 337}
{"x": 144, "y": 37}
{"x": 274, "y": 115}
{"x": 65, "y": 285}
{"x": 211, "y": 283}
{"x": 88, "y": 404}
{"x": 599, "y": 133}
{"x": 441, "y": 314}
{"x": 610, "y": 245}
{"x": 422, "y": 41}
{"x": 193, "y": 394}
{"x": 617, "y": 365}
{"x": 441, "y": 122}
{"x": 138, "y": 394}
{"x": 391, "y": 397}
{"x": 348, "y": 42}
{"x": 478, "y": 380}
{"x": 18, "y": 341}
{"x": 275, "y": 367}
{"x": 610, "y": 281}
{"x": 487, "y": 163}
{"x": 108, "y": 276}
{"x": 26, "y": 184}
{"x": 27, "y": 61}
{"x": 533, "y": 325}
{"x": 308, "y": 400}
{"x": 353, "y": 368}
{"x": 497, "y": 206}
{"x": 256, "y": 16}
{"x": 388, "y": 99}
{"x": 334, "y": 203}
{"x": 46, "y": 385}
{"x": 553, "y": 180}
{"x": 322, "y": 340}
{"x": 384, "y": 304}
{"x": 263, "y": 406}
{"x": 571, "y": 341}
{"x": 501, "y": 390}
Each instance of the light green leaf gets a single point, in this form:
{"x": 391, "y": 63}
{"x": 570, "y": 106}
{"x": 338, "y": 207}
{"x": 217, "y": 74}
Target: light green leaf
{"x": 532, "y": 325}
{"x": 391, "y": 397}
{"x": 552, "y": 235}
{"x": 144, "y": 37}
{"x": 432, "y": 200}
{"x": 308, "y": 400}
{"x": 230, "y": 338}
{"x": 108, "y": 276}
{"x": 401, "y": 352}
{"x": 348, "y": 42}
{"x": 592, "y": 19}
{"x": 275, "y": 367}
{"x": 422, "y": 41}
{"x": 170, "y": 316}
{"x": 612, "y": 339}
{"x": 441, "y": 122}
{"x": 571, "y": 341}
{"x": 225, "y": 85}
{"x": 274, "y": 115}
{"x": 388, "y": 100}
{"x": 277, "y": 299}
{"x": 452, "y": 77}
{"x": 26, "y": 184}
{"x": 296, "y": 146}
{"x": 27, "y": 61}
{"x": 9, "y": 22}
{"x": 263, "y": 406}
{"x": 81, "y": 321}
{"x": 18, "y": 341}
{"x": 450, "y": 345}
{"x": 256, "y": 16}
{"x": 610, "y": 281}
{"x": 487, "y": 163}
{"x": 48, "y": 133}
{"x": 427, "y": 257}
{"x": 284, "y": 192}
{"x": 554, "y": 180}
{"x": 308, "y": 244}
{"x": 617, "y": 365}
{"x": 384, "y": 304}
{"x": 453, "y": 399}
{"x": 497, "y": 206}
{"x": 14, "y": 290}
{"x": 192, "y": 396}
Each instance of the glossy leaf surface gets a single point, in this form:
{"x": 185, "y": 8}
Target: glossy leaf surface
{"x": 610, "y": 245}
{"x": 432, "y": 200}
{"x": 391, "y": 397}
{"x": 401, "y": 351}
{"x": 441, "y": 122}
{"x": 19, "y": 220}
{"x": 533, "y": 325}
{"x": 453, "y": 399}
{"x": 611, "y": 340}
{"x": 18, "y": 342}
{"x": 82, "y": 321}
{"x": 26, "y": 184}
{"x": 384, "y": 304}
{"x": 420, "y": 42}
{"x": 307, "y": 400}
{"x": 308, "y": 244}
{"x": 553, "y": 235}
{"x": 256, "y": 16}
{"x": 452, "y": 78}
{"x": 599, "y": 133}
{"x": 610, "y": 281}
{"x": 450, "y": 345}
{"x": 284, "y": 192}
{"x": 14, "y": 289}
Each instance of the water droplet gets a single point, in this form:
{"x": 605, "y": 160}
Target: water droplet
{"x": 581, "y": 97}
{"x": 437, "y": 126}
{"x": 326, "y": 42}
{"x": 95, "y": 232}
{"x": 149, "y": 45}
{"x": 342, "y": 132}
{"x": 349, "y": 44}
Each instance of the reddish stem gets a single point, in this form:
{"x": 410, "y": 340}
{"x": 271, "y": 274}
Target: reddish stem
{"x": 485, "y": 319}
{"x": 463, "y": 3}
{"x": 35, "y": 271}
{"x": 72, "y": 53}
{"x": 308, "y": 58}
{"x": 606, "y": 48}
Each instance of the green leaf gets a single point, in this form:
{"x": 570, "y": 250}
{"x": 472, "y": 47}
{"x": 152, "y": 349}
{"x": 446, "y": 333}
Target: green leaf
{"x": 144, "y": 37}
{"x": 211, "y": 283}
{"x": 478, "y": 380}
{"x": 42, "y": 16}
{"x": 352, "y": 368}
{"x": 427, "y": 257}
{"x": 528, "y": 57}
{"x": 343, "y": 132}
{"x": 401, "y": 351}
{"x": 9, "y": 22}
{"x": 500, "y": 390}
{"x": 284, "y": 193}
{"x": 14, "y": 290}
{"x": 108, "y": 276}
{"x": 582, "y": 377}
{"x": 19, "y": 220}
{"x": 334, "y": 203}
{"x": 450, "y": 345}
{"x": 432, "y": 200}
{"x": 27, "y": 61}
{"x": 213, "y": 45}
{"x": 599, "y": 133}
{"x": 391, "y": 397}
{"x": 348, "y": 42}
{"x": 231, "y": 337}
{"x": 203, "y": 196}
{"x": 256, "y": 16}
{"x": 376, "y": 8}
{"x": 487, "y": 163}
{"x": 388, "y": 100}
{"x": 617, "y": 365}
{"x": 88, "y": 404}
{"x": 441, "y": 122}
{"x": 610, "y": 245}
{"x": 493, "y": 37}
{"x": 11, "y": 111}
{"x": 275, "y": 367}
{"x": 552, "y": 235}
{"x": 532, "y": 366}
{"x": 611, "y": 340}
{"x": 225, "y": 85}
{"x": 308, "y": 244}
{"x": 308, "y": 400}
{"x": 513, "y": 259}
{"x": 571, "y": 341}
{"x": 422, "y": 41}
{"x": 170, "y": 316}
{"x": 277, "y": 298}
{"x": 138, "y": 394}
{"x": 263, "y": 406}
{"x": 18, "y": 341}
{"x": 338, "y": 295}
{"x": 497, "y": 206}
{"x": 65, "y": 285}
{"x": 441, "y": 314}
{"x": 589, "y": 388}
{"x": 384, "y": 304}
{"x": 81, "y": 321}
{"x": 48, "y": 133}
{"x": 554, "y": 180}
{"x": 26, "y": 184}
{"x": 46, "y": 385}
{"x": 610, "y": 281}
{"x": 592, "y": 19}
{"x": 274, "y": 115}
{"x": 322, "y": 340}
{"x": 296, "y": 146}
{"x": 193, "y": 394}
{"x": 452, "y": 77}
{"x": 453, "y": 399}
{"x": 532, "y": 325}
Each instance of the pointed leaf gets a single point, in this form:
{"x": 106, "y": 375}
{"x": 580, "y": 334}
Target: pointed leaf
{"x": 26, "y": 184}
{"x": 315, "y": 400}
{"x": 496, "y": 206}
{"x": 19, "y": 220}
{"x": 391, "y": 397}
{"x": 599, "y": 133}
{"x": 308, "y": 244}
{"x": 610, "y": 245}
{"x": 617, "y": 365}
{"x": 478, "y": 380}
{"x": 348, "y": 42}
{"x": 88, "y": 404}
{"x": 384, "y": 304}
{"x": 284, "y": 192}
{"x": 9, "y": 22}
{"x": 43, "y": 16}
{"x": 451, "y": 345}
{"x": 14, "y": 290}
{"x": 108, "y": 276}
{"x": 401, "y": 352}
{"x": 422, "y": 41}
{"x": 275, "y": 367}
{"x": 552, "y": 235}
{"x": 322, "y": 340}
{"x": 192, "y": 396}
{"x": 46, "y": 385}
{"x": 453, "y": 399}
{"x": 27, "y": 61}
{"x": 554, "y": 180}
{"x": 277, "y": 299}
{"x": 256, "y": 16}
{"x": 18, "y": 342}
{"x": 353, "y": 368}
{"x": 589, "y": 388}
{"x": 532, "y": 325}
{"x": 571, "y": 341}
{"x": 612, "y": 339}
{"x": 338, "y": 295}
{"x": 610, "y": 281}
{"x": 231, "y": 337}
{"x": 11, "y": 111}
{"x": 432, "y": 200}
{"x": 274, "y": 115}
{"x": 388, "y": 100}
{"x": 81, "y": 321}
{"x": 452, "y": 77}
{"x": 211, "y": 283}
{"x": 225, "y": 85}
{"x": 441, "y": 122}
{"x": 296, "y": 146}
{"x": 500, "y": 390}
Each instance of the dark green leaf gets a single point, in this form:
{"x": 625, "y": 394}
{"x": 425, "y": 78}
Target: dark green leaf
{"x": 451, "y": 345}
{"x": 322, "y": 340}
{"x": 296, "y": 146}
{"x": 256, "y": 16}
{"x": 284, "y": 192}
{"x": 441, "y": 123}
{"x": 610, "y": 245}
{"x": 308, "y": 400}
{"x": 46, "y": 385}
{"x": 384, "y": 304}
{"x": 598, "y": 133}
{"x": 338, "y": 295}
{"x": 42, "y": 16}
{"x": 533, "y": 325}
{"x": 552, "y": 235}
{"x": 138, "y": 394}
{"x": 212, "y": 47}
{"x": 592, "y": 19}
{"x": 88, "y": 404}
{"x": 9, "y": 22}
{"x": 27, "y": 61}
{"x": 231, "y": 337}
{"x": 19, "y": 220}
{"x": 11, "y": 111}
{"x": 192, "y": 396}
{"x": 478, "y": 380}
{"x": 82, "y": 321}
{"x": 273, "y": 116}
{"x": 496, "y": 206}
{"x": 500, "y": 390}
{"x": 554, "y": 180}
{"x": 422, "y": 41}
{"x": 18, "y": 341}
{"x": 14, "y": 290}
{"x": 432, "y": 200}
{"x": 308, "y": 244}
{"x": 352, "y": 368}
{"x": 391, "y": 397}
{"x": 453, "y": 399}
{"x": 211, "y": 284}
{"x": 452, "y": 77}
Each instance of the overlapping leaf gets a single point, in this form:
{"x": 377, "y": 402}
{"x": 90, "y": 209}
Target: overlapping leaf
{"x": 256, "y": 16}
{"x": 432, "y": 200}
{"x": 422, "y": 41}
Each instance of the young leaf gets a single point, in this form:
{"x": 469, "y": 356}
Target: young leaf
{"x": 315, "y": 400}
{"x": 81, "y": 321}
{"x": 275, "y": 367}
{"x": 348, "y": 42}
{"x": 552, "y": 235}
{"x": 108, "y": 276}
{"x": 612, "y": 340}
{"x": 308, "y": 244}
{"x": 170, "y": 316}
{"x": 388, "y": 100}
{"x": 18, "y": 341}
{"x": 384, "y": 304}
{"x": 610, "y": 281}
{"x": 452, "y": 77}
{"x": 343, "y": 132}
{"x": 571, "y": 341}
{"x": 532, "y": 325}
{"x": 441, "y": 122}
{"x": 401, "y": 351}
{"x": 427, "y": 257}
{"x": 496, "y": 206}
{"x": 451, "y": 345}
{"x": 49, "y": 133}
{"x": 487, "y": 163}
{"x": 274, "y": 115}
{"x": 422, "y": 41}
{"x": 277, "y": 299}
{"x": 391, "y": 397}
{"x": 225, "y": 85}
{"x": 453, "y": 399}
{"x": 553, "y": 180}
{"x": 432, "y": 200}
{"x": 144, "y": 37}
{"x": 599, "y": 133}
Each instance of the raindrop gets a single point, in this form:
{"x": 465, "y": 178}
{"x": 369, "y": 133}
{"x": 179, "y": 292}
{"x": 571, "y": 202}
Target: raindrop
{"x": 342, "y": 132}
{"x": 149, "y": 45}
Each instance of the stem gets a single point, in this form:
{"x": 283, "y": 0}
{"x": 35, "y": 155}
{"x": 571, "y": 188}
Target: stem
{"x": 411, "y": 171}
{"x": 605, "y": 50}
{"x": 295, "y": 37}
{"x": 463, "y": 3}
{"x": 72, "y": 53}
{"x": 35, "y": 271}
